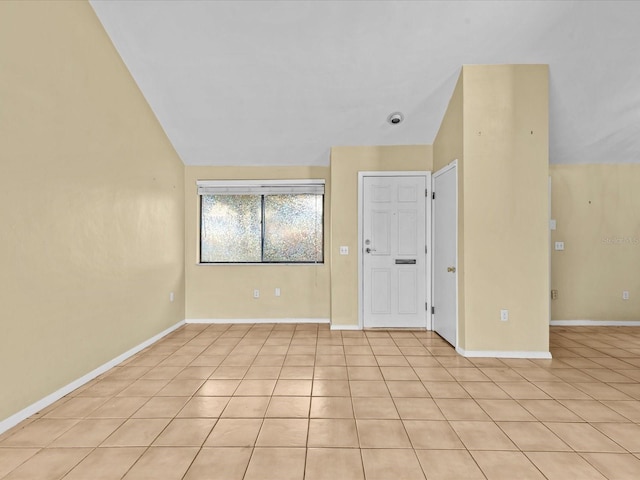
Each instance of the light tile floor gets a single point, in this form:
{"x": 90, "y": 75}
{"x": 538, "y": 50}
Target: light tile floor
{"x": 260, "y": 402}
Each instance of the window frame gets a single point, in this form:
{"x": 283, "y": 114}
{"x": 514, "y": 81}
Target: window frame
{"x": 260, "y": 188}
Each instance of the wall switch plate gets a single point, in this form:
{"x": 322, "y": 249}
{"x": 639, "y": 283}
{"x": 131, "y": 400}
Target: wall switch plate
{"x": 504, "y": 315}
{"x": 277, "y": 292}
{"x": 552, "y": 224}
{"x": 344, "y": 250}
{"x": 559, "y": 245}
{"x": 256, "y": 293}
{"x": 171, "y": 297}
{"x": 625, "y": 295}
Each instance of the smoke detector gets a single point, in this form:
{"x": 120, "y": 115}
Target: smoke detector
{"x": 395, "y": 118}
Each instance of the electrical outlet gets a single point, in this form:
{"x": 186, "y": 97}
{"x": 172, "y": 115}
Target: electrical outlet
{"x": 504, "y": 315}
{"x": 625, "y": 295}
{"x": 256, "y": 293}
{"x": 554, "y": 294}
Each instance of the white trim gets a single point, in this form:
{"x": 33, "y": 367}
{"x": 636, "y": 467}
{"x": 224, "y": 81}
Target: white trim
{"x": 253, "y": 183}
{"x": 261, "y": 187}
{"x": 34, "y": 408}
{"x": 549, "y": 254}
{"x": 256, "y": 320}
{"x": 596, "y": 323}
{"x": 314, "y": 186}
{"x": 429, "y": 255}
{"x": 453, "y": 165}
{"x": 345, "y": 327}
{"x": 428, "y": 184}
{"x": 262, "y": 264}
{"x": 502, "y": 354}
{"x": 361, "y": 176}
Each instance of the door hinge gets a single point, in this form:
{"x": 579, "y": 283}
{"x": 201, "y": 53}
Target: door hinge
{"x": 425, "y": 249}
{"x": 426, "y": 306}
{"x": 433, "y": 310}
{"x": 433, "y": 195}
{"x": 426, "y": 192}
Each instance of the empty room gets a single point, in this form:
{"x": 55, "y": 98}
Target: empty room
{"x": 309, "y": 240}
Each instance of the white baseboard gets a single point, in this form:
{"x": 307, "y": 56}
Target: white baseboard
{"x": 502, "y": 354}
{"x": 256, "y": 320}
{"x": 345, "y": 327}
{"x": 596, "y": 323}
{"x": 34, "y": 408}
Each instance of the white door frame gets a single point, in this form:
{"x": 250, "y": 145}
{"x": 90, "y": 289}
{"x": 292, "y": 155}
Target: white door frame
{"x": 450, "y": 166}
{"x": 428, "y": 273}
{"x": 550, "y": 248}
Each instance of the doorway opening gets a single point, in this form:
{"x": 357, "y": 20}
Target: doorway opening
{"x": 394, "y": 254}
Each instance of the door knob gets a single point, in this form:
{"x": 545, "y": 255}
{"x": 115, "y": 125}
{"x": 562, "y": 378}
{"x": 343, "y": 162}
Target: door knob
{"x": 451, "y": 269}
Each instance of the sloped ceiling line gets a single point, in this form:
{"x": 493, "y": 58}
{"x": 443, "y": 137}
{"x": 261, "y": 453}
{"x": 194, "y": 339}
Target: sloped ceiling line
{"x": 279, "y": 83}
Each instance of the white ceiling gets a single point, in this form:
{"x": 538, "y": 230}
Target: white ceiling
{"x": 281, "y": 82}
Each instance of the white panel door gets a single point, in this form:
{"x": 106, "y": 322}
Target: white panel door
{"x": 444, "y": 268}
{"x": 393, "y": 252}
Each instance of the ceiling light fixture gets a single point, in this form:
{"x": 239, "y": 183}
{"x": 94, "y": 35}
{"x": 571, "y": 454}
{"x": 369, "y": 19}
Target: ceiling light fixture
{"x": 395, "y": 118}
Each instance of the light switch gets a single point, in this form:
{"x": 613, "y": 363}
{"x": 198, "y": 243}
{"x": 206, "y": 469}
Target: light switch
{"x": 344, "y": 250}
{"x": 559, "y": 245}
{"x": 552, "y": 224}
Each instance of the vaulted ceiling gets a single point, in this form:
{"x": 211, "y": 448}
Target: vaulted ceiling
{"x": 281, "y": 82}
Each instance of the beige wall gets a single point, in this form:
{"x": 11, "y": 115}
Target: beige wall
{"x": 92, "y": 209}
{"x": 97, "y": 208}
{"x": 596, "y": 208}
{"x": 226, "y": 291}
{"x": 346, "y": 162}
{"x": 506, "y": 248}
{"x": 449, "y": 142}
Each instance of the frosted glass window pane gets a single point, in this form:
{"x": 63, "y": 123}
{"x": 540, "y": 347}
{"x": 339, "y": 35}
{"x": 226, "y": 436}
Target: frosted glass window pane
{"x": 293, "y": 228}
{"x": 231, "y": 228}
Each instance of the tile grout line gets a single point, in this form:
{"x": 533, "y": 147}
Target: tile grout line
{"x": 529, "y": 378}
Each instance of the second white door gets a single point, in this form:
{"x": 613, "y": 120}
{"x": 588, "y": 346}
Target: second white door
{"x": 394, "y": 252}
{"x": 445, "y": 234}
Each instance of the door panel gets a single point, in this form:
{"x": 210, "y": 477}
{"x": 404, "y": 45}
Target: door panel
{"x": 407, "y": 233}
{"x": 380, "y": 193}
{"x": 381, "y": 225}
{"x": 393, "y": 251}
{"x": 407, "y": 194}
{"x": 407, "y": 290}
{"x": 381, "y": 291}
{"x": 445, "y": 275}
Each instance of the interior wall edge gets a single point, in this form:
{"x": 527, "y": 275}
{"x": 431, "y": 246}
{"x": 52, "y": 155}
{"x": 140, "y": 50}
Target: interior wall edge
{"x": 503, "y": 354}
{"x": 337, "y": 327}
{"x": 255, "y": 320}
{"x": 596, "y": 323}
{"x": 39, "y": 405}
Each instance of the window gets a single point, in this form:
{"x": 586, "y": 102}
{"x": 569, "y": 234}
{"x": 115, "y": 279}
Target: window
{"x": 261, "y": 222}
